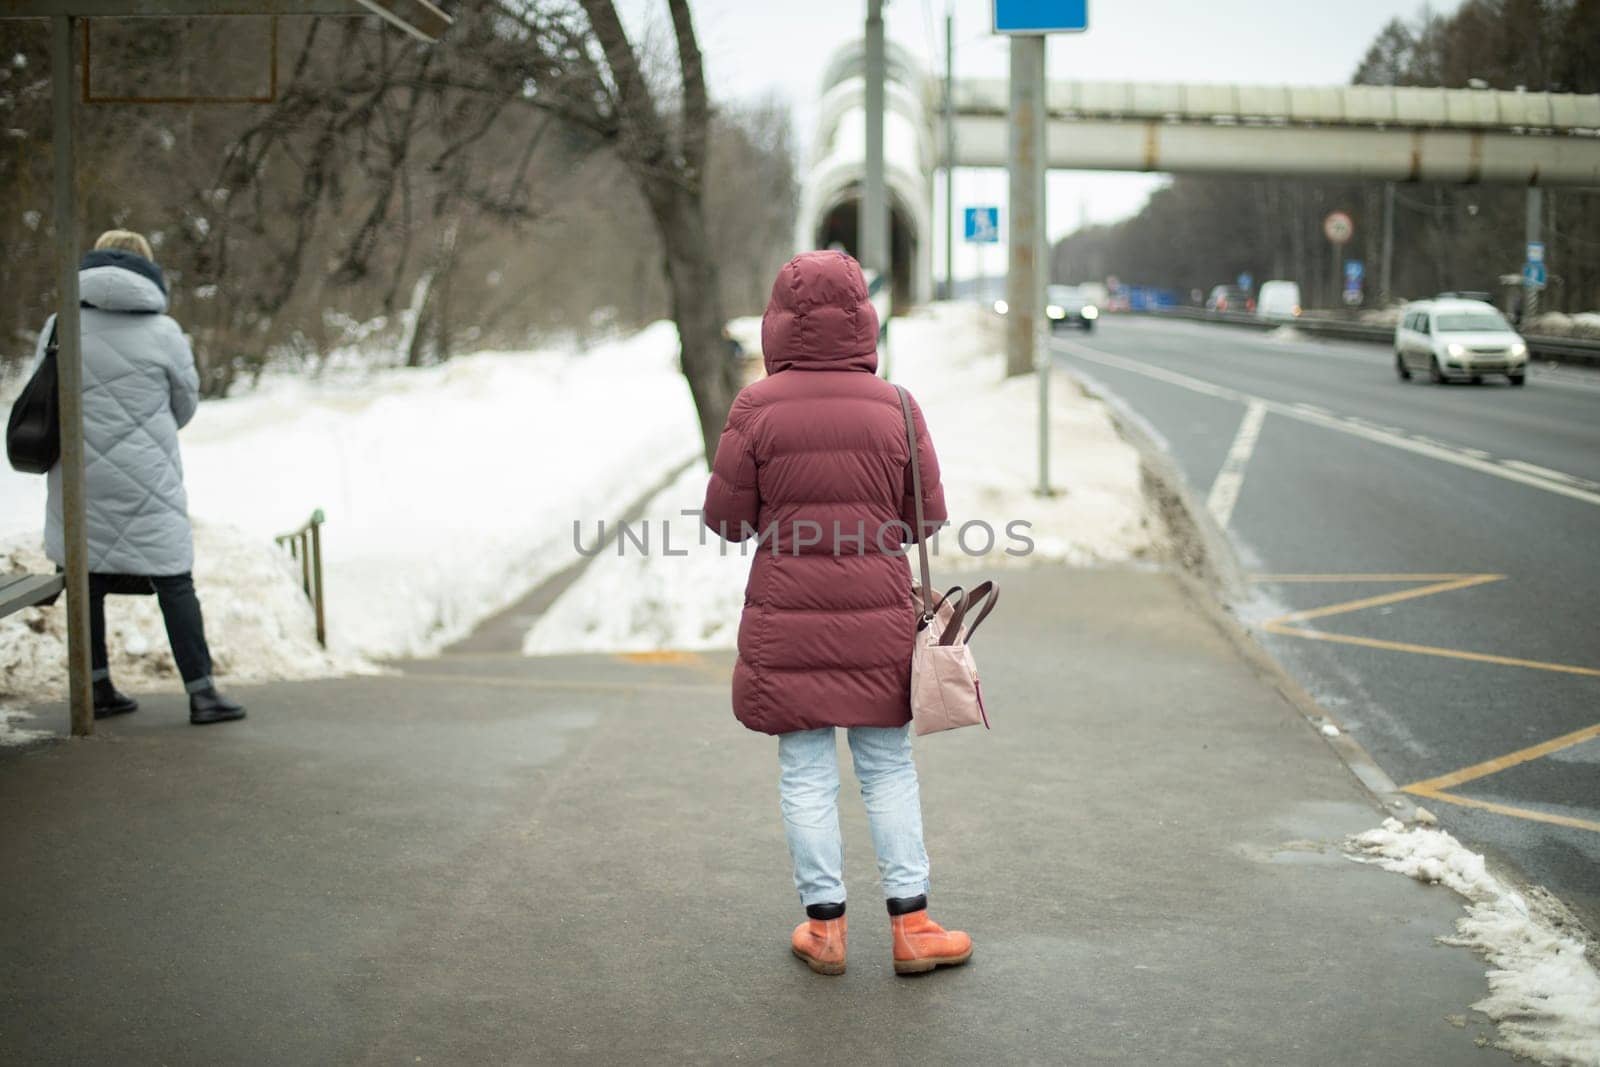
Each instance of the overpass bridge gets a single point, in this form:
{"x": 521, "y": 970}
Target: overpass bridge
{"x": 1364, "y": 132}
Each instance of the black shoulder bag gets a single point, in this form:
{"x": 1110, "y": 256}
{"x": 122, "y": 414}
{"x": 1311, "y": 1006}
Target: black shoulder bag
{"x": 33, "y": 436}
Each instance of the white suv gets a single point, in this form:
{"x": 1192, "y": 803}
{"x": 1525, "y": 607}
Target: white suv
{"x": 1458, "y": 339}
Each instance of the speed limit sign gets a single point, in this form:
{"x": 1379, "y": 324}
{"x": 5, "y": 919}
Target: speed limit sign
{"x": 1337, "y": 227}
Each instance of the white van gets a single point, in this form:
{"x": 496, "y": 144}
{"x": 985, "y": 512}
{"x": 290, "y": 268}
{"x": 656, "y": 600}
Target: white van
{"x": 1278, "y": 300}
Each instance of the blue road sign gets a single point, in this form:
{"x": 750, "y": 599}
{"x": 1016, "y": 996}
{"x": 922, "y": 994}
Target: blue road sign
{"x": 1354, "y": 272}
{"x": 1245, "y": 281}
{"x": 1041, "y": 16}
{"x": 983, "y": 225}
{"x": 1533, "y": 274}
{"x": 1535, "y": 251}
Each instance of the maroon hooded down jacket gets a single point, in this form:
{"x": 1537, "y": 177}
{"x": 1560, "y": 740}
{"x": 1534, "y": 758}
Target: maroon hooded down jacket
{"x": 819, "y": 445}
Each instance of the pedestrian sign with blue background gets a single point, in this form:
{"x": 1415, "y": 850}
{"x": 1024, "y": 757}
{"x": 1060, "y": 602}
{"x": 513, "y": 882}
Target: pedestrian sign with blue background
{"x": 983, "y": 225}
{"x": 1533, "y": 271}
{"x": 1246, "y": 282}
{"x": 1355, "y": 272}
{"x": 1041, "y": 16}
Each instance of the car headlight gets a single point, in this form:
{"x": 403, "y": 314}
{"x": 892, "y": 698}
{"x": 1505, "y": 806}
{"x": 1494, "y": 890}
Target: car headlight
{"x": 1455, "y": 351}
{"x": 1001, "y": 307}
{"x": 1519, "y": 349}
{"x": 1091, "y": 312}
{"x": 1056, "y": 311}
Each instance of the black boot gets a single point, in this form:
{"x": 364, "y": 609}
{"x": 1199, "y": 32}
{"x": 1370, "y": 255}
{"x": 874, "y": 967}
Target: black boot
{"x": 109, "y": 702}
{"x": 208, "y": 706}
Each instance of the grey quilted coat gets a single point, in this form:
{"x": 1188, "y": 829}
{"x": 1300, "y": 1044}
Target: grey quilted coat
{"x": 139, "y": 387}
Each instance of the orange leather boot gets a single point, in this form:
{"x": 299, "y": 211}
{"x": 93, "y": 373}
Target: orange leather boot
{"x": 820, "y": 939}
{"x": 920, "y": 944}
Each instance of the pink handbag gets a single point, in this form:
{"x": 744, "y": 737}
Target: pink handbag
{"x": 945, "y": 692}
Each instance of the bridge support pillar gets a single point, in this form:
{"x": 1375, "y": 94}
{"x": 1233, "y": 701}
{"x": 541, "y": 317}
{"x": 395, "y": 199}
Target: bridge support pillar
{"x": 874, "y": 221}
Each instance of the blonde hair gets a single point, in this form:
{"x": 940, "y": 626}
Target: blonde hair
{"x": 127, "y": 241}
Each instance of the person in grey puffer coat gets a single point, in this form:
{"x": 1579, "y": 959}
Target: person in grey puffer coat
{"x": 139, "y": 387}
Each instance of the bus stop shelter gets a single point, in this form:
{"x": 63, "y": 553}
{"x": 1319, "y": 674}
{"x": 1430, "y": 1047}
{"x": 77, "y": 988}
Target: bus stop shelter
{"x": 418, "y": 18}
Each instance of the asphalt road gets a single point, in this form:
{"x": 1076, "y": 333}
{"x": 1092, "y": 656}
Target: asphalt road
{"x": 1481, "y": 501}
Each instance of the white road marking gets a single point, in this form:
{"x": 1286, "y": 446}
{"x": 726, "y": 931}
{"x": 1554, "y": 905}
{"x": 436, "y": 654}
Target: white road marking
{"x": 1433, "y": 450}
{"x": 1225, "y": 490}
{"x": 1546, "y": 472}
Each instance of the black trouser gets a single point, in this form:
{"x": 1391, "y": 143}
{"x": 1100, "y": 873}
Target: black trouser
{"x": 180, "y": 608}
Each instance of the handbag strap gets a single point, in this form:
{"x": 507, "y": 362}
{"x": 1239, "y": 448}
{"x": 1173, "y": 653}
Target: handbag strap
{"x": 986, "y": 591}
{"x": 916, "y": 496}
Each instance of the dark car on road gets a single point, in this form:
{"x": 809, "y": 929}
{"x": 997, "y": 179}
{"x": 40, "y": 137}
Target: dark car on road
{"x": 1229, "y": 298}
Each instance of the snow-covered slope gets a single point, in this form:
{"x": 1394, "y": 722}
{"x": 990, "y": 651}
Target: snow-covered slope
{"x": 449, "y": 491}
{"x": 984, "y": 428}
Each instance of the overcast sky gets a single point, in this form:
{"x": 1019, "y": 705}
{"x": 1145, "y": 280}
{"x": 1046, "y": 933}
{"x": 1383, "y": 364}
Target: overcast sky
{"x": 763, "y": 47}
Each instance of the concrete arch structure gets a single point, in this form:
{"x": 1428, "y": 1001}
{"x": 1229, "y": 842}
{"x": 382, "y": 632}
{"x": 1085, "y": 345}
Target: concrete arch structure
{"x": 830, "y": 194}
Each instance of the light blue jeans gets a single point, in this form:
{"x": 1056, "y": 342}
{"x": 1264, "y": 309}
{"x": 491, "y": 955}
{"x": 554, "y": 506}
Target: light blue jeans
{"x": 808, "y": 789}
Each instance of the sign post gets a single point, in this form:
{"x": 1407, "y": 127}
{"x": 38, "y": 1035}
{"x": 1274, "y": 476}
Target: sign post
{"x": 1338, "y": 229}
{"x": 1027, "y": 22}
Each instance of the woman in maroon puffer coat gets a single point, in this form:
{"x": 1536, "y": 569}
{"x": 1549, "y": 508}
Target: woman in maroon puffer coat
{"x": 814, "y": 463}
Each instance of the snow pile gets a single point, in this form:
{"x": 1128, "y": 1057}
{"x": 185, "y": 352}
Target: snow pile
{"x": 1543, "y": 991}
{"x": 259, "y": 624}
{"x": 1389, "y": 316}
{"x": 14, "y": 728}
{"x": 984, "y": 428}
{"x": 1585, "y": 324}
{"x": 449, "y": 490}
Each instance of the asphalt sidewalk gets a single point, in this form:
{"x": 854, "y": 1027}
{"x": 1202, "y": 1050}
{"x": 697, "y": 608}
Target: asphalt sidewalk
{"x": 491, "y": 859}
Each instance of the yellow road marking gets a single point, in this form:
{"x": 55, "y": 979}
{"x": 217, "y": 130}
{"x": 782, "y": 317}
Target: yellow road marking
{"x": 1431, "y": 650}
{"x": 1436, "y": 584}
{"x": 1461, "y": 582}
{"x": 1507, "y": 809}
{"x": 665, "y": 655}
{"x": 1435, "y": 788}
{"x": 1283, "y": 578}
{"x": 1510, "y": 759}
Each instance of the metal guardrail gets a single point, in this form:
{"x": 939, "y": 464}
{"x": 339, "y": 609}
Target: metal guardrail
{"x": 1557, "y": 349}
{"x": 305, "y": 546}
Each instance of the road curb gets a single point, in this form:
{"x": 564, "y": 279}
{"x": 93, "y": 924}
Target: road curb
{"x": 1209, "y": 572}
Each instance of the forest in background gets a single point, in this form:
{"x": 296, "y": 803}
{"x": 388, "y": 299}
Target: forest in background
{"x": 1201, "y": 231}
{"x": 425, "y": 201}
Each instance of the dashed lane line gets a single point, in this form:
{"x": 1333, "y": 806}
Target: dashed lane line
{"x": 1565, "y": 485}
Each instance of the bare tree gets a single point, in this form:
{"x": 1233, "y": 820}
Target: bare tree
{"x": 671, "y": 176}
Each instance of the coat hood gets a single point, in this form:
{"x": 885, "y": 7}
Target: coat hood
{"x": 114, "y": 280}
{"x": 819, "y": 317}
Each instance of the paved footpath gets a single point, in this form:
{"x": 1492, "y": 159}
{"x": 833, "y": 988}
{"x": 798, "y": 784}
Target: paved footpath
{"x": 490, "y": 859}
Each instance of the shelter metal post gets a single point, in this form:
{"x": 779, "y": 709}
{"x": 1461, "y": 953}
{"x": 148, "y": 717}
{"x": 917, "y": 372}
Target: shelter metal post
{"x": 69, "y": 356}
